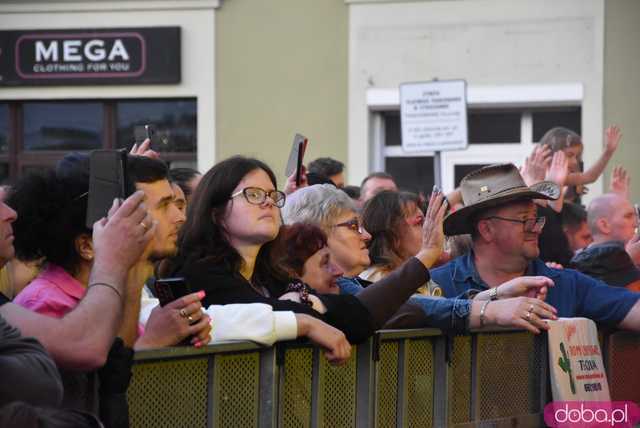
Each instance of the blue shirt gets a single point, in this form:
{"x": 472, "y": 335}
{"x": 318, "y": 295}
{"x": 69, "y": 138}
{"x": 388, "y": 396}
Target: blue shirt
{"x": 446, "y": 314}
{"x": 574, "y": 294}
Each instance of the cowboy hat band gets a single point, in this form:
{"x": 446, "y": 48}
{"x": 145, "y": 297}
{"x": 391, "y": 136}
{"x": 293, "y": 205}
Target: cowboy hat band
{"x": 492, "y": 186}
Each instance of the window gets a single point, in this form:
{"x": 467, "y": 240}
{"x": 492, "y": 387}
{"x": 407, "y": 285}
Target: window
{"x": 495, "y": 135}
{"x": 412, "y": 173}
{"x": 62, "y": 125}
{"x": 544, "y": 120}
{"x": 36, "y": 134}
{"x": 494, "y": 127}
{"x": 174, "y": 123}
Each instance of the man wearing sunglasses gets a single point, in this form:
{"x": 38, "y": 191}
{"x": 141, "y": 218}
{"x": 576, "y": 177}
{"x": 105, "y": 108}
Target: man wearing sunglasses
{"x": 500, "y": 215}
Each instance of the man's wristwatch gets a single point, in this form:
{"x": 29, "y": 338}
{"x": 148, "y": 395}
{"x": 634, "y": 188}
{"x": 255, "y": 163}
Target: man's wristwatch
{"x": 493, "y": 293}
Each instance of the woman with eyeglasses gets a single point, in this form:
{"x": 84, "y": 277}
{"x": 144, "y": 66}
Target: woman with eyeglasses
{"x": 225, "y": 244}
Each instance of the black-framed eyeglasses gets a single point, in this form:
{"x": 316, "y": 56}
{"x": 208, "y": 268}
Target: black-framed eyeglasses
{"x": 530, "y": 225}
{"x": 257, "y": 196}
{"x": 353, "y": 224}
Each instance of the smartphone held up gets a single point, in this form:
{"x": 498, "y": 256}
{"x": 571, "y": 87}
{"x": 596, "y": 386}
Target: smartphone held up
{"x": 296, "y": 156}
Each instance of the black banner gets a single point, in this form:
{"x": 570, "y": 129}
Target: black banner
{"x": 90, "y": 56}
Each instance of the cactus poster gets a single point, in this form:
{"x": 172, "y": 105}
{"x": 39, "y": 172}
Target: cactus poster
{"x": 575, "y": 361}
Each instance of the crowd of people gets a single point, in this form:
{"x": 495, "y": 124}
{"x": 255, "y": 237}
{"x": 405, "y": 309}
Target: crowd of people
{"x": 317, "y": 260}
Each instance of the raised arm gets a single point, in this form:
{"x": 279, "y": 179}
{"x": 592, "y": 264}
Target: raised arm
{"x": 612, "y": 141}
{"x": 82, "y": 338}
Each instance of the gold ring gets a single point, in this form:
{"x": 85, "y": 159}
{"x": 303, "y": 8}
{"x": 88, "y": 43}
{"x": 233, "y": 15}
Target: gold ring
{"x": 183, "y": 313}
{"x": 528, "y": 316}
{"x": 191, "y": 320}
{"x": 144, "y": 225}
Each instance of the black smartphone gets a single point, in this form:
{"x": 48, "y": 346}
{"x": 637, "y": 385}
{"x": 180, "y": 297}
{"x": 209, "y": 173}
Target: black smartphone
{"x": 143, "y": 132}
{"x": 169, "y": 289}
{"x": 107, "y": 181}
{"x": 296, "y": 156}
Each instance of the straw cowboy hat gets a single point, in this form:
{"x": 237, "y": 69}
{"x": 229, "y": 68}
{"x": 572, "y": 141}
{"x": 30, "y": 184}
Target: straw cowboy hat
{"x": 491, "y": 186}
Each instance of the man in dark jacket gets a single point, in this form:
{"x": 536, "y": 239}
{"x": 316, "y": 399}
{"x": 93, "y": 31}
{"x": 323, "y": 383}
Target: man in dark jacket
{"x": 612, "y": 220}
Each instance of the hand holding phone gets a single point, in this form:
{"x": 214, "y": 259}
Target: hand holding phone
{"x": 169, "y": 289}
{"x": 296, "y": 156}
{"x": 107, "y": 181}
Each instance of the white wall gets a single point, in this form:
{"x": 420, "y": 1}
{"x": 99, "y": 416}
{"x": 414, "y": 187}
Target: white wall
{"x": 196, "y": 19}
{"x": 486, "y": 42}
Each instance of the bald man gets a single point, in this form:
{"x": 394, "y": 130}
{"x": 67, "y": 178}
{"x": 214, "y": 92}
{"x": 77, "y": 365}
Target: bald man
{"x": 612, "y": 221}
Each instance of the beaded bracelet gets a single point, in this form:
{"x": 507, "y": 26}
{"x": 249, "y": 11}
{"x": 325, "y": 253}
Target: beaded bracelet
{"x": 301, "y": 288}
{"x": 104, "y": 284}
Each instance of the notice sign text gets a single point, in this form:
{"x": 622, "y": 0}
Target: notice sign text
{"x": 434, "y": 115}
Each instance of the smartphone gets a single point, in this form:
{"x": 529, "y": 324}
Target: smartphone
{"x": 107, "y": 181}
{"x": 169, "y": 289}
{"x": 296, "y": 156}
{"x": 143, "y": 132}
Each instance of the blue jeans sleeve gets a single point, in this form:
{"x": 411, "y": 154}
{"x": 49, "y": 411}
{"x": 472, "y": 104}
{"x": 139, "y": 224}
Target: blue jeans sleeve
{"x": 349, "y": 286}
{"x": 445, "y": 314}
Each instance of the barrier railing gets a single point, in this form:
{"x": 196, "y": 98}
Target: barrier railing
{"x": 407, "y": 378}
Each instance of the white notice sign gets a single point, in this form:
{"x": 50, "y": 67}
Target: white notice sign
{"x": 434, "y": 115}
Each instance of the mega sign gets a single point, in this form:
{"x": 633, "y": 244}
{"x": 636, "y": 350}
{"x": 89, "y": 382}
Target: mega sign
{"x": 117, "y": 56}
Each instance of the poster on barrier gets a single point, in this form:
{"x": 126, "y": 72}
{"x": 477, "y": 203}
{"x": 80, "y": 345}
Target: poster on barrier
{"x": 575, "y": 361}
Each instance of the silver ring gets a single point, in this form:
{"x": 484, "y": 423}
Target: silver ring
{"x": 528, "y": 316}
{"x": 144, "y": 225}
{"x": 531, "y": 307}
{"x": 183, "y": 313}
{"x": 191, "y": 320}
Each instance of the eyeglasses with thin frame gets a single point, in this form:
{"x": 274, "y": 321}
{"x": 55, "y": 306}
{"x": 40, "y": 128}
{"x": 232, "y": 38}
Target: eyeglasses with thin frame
{"x": 257, "y": 196}
{"x": 529, "y": 225}
{"x": 353, "y": 224}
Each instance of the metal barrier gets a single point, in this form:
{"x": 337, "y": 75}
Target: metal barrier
{"x": 408, "y": 378}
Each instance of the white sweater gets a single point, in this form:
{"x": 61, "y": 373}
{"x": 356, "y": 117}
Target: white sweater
{"x": 257, "y": 322}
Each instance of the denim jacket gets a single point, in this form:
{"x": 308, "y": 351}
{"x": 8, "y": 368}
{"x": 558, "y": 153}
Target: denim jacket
{"x": 447, "y": 314}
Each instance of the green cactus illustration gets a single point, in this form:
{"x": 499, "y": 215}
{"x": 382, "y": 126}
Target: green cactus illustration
{"x": 565, "y": 365}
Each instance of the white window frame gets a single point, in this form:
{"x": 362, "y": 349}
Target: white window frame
{"x": 521, "y": 97}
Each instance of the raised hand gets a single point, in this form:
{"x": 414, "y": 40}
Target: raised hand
{"x": 291, "y": 185}
{"x": 536, "y": 164}
{"x": 558, "y": 169}
{"x": 144, "y": 150}
{"x": 620, "y": 182}
{"x": 432, "y": 230}
{"x": 612, "y": 139}
{"x": 120, "y": 239}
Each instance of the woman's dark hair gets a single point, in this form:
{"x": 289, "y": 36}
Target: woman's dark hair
{"x": 295, "y": 244}
{"x": 52, "y": 207}
{"x": 203, "y": 237}
{"x": 381, "y": 217}
{"x": 182, "y": 177}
